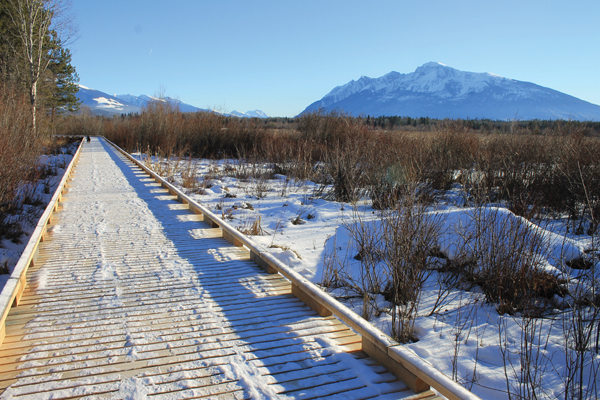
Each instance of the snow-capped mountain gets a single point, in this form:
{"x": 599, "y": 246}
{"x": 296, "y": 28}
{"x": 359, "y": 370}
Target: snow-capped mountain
{"x": 438, "y": 91}
{"x": 105, "y": 104}
{"x": 250, "y": 114}
{"x": 142, "y": 101}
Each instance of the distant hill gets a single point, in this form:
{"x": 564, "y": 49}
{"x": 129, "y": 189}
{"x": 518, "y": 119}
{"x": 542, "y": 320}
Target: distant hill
{"x": 104, "y": 104}
{"x": 101, "y": 103}
{"x": 437, "y": 91}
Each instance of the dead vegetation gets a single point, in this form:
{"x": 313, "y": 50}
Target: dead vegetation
{"x": 23, "y": 180}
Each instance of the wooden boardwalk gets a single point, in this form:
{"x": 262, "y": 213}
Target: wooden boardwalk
{"x": 134, "y": 296}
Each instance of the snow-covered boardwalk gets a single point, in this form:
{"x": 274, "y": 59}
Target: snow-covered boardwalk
{"x": 133, "y": 296}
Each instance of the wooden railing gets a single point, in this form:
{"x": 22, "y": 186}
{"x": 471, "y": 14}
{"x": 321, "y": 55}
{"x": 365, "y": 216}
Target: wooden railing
{"x": 14, "y": 287}
{"x": 413, "y": 370}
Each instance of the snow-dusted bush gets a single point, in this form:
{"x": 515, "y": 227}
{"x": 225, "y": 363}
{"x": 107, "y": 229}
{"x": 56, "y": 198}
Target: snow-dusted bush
{"x": 505, "y": 255}
{"x": 392, "y": 258}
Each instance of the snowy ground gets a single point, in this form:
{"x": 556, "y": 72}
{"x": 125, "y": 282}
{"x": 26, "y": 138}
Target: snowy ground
{"x": 462, "y": 336}
{"x": 134, "y": 299}
{"x": 41, "y": 192}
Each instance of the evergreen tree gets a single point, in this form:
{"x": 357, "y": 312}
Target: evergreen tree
{"x": 9, "y": 68}
{"x": 63, "y": 81}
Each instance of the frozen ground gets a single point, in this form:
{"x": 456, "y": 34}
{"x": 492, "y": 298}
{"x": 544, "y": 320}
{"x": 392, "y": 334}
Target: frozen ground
{"x": 462, "y": 335}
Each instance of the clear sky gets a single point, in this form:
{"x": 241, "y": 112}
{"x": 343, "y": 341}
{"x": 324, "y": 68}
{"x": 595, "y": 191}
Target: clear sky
{"x": 280, "y": 56}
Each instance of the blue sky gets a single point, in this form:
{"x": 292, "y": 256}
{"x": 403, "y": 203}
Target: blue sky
{"x": 280, "y": 56}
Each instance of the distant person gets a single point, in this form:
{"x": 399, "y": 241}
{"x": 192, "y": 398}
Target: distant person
{"x": 88, "y": 138}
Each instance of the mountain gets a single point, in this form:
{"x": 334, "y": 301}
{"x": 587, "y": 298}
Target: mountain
{"x": 249, "y": 114}
{"x": 142, "y": 101}
{"x": 438, "y": 91}
{"x": 104, "y": 104}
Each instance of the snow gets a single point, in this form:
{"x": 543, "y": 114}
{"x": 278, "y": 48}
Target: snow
{"x": 108, "y": 103}
{"x": 459, "y": 225}
{"x": 465, "y": 337}
{"x": 432, "y": 77}
{"x": 165, "y": 306}
{"x": 249, "y": 114}
{"x": 133, "y": 389}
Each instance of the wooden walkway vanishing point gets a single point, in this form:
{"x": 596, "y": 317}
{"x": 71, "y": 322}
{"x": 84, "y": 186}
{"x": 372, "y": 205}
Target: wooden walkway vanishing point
{"x": 134, "y": 296}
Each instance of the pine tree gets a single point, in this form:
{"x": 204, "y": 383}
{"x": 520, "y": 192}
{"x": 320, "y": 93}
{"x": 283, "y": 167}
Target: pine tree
{"x": 63, "y": 83}
{"x": 9, "y": 65}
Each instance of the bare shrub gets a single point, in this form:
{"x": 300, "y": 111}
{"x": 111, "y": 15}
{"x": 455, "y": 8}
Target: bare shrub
{"x": 513, "y": 169}
{"x": 503, "y": 254}
{"x": 578, "y": 172}
{"x": 337, "y": 274}
{"x": 397, "y": 173}
{"x": 452, "y": 147}
{"x": 581, "y": 333}
{"x": 352, "y": 156}
{"x": 20, "y": 147}
{"x": 393, "y": 251}
{"x": 409, "y": 235}
{"x": 526, "y": 365}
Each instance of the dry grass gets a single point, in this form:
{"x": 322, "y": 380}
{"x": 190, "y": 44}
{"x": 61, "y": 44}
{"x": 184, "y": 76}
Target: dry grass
{"x": 251, "y": 226}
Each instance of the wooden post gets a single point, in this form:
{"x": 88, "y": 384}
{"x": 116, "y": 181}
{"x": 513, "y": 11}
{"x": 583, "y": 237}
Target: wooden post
{"x": 262, "y": 263}
{"x": 232, "y": 239}
{"x": 310, "y": 301}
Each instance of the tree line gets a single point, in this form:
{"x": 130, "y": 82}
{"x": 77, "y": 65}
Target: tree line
{"x": 426, "y": 124}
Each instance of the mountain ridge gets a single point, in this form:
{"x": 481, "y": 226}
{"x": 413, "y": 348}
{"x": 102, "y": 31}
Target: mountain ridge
{"x": 102, "y": 103}
{"x": 438, "y": 91}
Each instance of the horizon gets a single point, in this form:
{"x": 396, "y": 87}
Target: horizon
{"x": 280, "y": 57}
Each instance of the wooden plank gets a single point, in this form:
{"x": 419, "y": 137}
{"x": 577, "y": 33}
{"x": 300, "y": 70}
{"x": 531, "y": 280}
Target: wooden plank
{"x": 118, "y": 363}
{"x": 161, "y": 348}
{"x": 133, "y": 307}
{"x": 136, "y": 290}
{"x": 196, "y": 309}
{"x": 166, "y": 330}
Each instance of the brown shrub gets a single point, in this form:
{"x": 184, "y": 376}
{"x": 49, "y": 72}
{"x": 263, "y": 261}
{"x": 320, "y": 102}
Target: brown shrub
{"x": 20, "y": 145}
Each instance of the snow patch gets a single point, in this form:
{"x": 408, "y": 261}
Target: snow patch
{"x": 134, "y": 388}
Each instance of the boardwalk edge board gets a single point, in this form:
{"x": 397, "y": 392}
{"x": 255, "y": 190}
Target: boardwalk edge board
{"x": 414, "y": 371}
{"x": 15, "y": 286}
